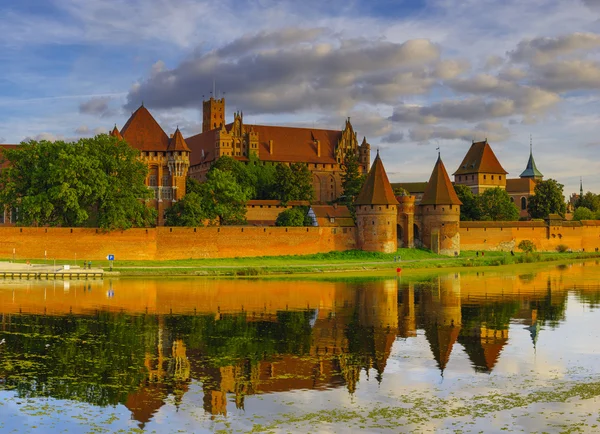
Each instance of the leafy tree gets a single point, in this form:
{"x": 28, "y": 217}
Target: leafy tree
{"x": 224, "y": 200}
{"x": 352, "y": 179}
{"x": 186, "y": 212}
{"x": 296, "y": 216}
{"x": 263, "y": 175}
{"x": 590, "y": 201}
{"x": 495, "y": 204}
{"x": 293, "y": 182}
{"x": 244, "y": 177}
{"x": 547, "y": 199}
{"x": 583, "y": 213}
{"x": 93, "y": 182}
{"x": 118, "y": 205}
{"x": 470, "y": 209}
{"x": 527, "y": 246}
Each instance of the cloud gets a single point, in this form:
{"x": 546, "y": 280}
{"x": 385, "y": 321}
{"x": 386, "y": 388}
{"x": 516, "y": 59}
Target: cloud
{"x": 447, "y": 69}
{"x": 392, "y": 138}
{"x": 97, "y": 106}
{"x": 2, "y": 139}
{"x": 568, "y": 75}
{"x": 275, "y": 74}
{"x": 545, "y": 49}
{"x": 50, "y": 137}
{"x": 493, "y": 131}
{"x": 83, "y": 130}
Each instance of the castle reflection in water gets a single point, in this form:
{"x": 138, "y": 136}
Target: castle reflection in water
{"x": 142, "y": 342}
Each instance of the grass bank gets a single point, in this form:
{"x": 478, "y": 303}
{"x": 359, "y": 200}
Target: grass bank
{"x": 348, "y": 261}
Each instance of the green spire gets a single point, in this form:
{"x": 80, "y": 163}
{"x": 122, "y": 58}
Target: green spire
{"x": 531, "y": 171}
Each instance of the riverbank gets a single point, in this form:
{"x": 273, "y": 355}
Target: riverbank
{"x": 348, "y": 261}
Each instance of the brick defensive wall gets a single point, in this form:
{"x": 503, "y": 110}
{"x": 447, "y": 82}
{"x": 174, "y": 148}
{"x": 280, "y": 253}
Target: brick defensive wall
{"x": 584, "y": 235}
{"x": 164, "y": 243}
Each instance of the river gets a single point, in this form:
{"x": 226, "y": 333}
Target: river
{"x": 495, "y": 350}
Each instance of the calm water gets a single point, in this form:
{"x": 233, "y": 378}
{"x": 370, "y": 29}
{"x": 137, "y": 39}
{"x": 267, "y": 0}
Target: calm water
{"x": 459, "y": 352}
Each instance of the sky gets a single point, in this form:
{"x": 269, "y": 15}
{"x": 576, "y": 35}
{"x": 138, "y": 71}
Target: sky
{"x": 412, "y": 75}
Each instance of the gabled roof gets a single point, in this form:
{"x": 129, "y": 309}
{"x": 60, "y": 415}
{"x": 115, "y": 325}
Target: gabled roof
{"x": 439, "y": 189}
{"x": 143, "y": 132}
{"x": 177, "y": 143}
{"x": 115, "y": 133}
{"x": 377, "y": 189}
{"x": 480, "y": 159}
{"x": 290, "y": 144}
{"x": 531, "y": 171}
{"x": 441, "y": 341}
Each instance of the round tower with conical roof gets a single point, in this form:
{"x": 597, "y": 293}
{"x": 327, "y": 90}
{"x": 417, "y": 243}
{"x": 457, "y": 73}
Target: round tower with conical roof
{"x": 440, "y": 213}
{"x": 376, "y": 212}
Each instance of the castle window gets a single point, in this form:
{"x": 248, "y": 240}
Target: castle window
{"x": 492, "y": 177}
{"x": 165, "y": 180}
{"x": 153, "y": 181}
{"x": 459, "y": 178}
{"x": 472, "y": 177}
{"x": 500, "y": 177}
{"x": 484, "y": 176}
{"x": 523, "y": 203}
{"x": 373, "y": 221}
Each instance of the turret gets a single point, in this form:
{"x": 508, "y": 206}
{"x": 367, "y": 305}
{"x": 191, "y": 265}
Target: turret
{"x": 376, "y": 212}
{"x": 213, "y": 114}
{"x": 531, "y": 171}
{"x": 178, "y": 162}
{"x": 440, "y": 211}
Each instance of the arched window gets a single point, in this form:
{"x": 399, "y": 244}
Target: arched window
{"x": 523, "y": 203}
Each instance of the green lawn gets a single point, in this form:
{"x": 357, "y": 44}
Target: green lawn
{"x": 353, "y": 260}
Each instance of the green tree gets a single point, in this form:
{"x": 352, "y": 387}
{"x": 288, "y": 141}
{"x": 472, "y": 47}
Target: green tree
{"x": 243, "y": 176}
{"x": 547, "y": 199}
{"x": 496, "y": 205}
{"x": 118, "y": 205}
{"x": 295, "y": 216}
{"x": 527, "y": 246}
{"x": 583, "y": 213}
{"x": 92, "y": 182}
{"x": 470, "y": 209}
{"x": 186, "y": 212}
{"x": 224, "y": 200}
{"x": 293, "y": 182}
{"x": 590, "y": 201}
{"x": 264, "y": 175}
{"x": 352, "y": 179}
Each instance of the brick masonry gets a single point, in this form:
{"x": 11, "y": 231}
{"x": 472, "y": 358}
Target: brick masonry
{"x": 164, "y": 243}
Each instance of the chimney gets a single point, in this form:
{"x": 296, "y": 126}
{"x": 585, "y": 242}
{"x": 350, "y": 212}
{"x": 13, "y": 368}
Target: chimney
{"x": 271, "y": 147}
{"x": 318, "y": 148}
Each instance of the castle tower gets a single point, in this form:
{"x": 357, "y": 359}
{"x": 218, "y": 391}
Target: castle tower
{"x": 440, "y": 213}
{"x": 406, "y": 221}
{"x": 178, "y": 162}
{"x": 480, "y": 169}
{"x": 531, "y": 171}
{"x": 376, "y": 212}
{"x": 213, "y": 114}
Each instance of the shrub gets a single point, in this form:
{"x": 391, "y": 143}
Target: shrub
{"x": 562, "y": 248}
{"x": 527, "y": 246}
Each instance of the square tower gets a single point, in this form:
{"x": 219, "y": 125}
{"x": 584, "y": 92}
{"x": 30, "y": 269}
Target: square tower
{"x": 213, "y": 114}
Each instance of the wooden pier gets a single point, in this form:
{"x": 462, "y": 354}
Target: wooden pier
{"x": 36, "y": 271}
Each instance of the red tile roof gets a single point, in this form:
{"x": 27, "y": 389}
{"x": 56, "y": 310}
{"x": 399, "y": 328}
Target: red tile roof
{"x": 177, "y": 143}
{"x": 290, "y": 144}
{"x": 377, "y": 189}
{"x": 520, "y": 185}
{"x": 2, "y": 162}
{"x": 143, "y": 132}
{"x": 439, "y": 190}
{"x": 115, "y": 133}
{"x": 480, "y": 159}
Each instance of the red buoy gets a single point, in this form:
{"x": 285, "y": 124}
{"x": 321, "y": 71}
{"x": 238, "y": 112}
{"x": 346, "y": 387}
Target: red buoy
{"x": 398, "y": 270}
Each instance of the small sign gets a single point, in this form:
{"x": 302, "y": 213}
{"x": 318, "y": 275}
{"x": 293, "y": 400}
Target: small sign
{"x": 111, "y": 257}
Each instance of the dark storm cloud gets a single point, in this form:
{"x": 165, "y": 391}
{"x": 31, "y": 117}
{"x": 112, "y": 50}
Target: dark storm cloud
{"x": 275, "y": 74}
